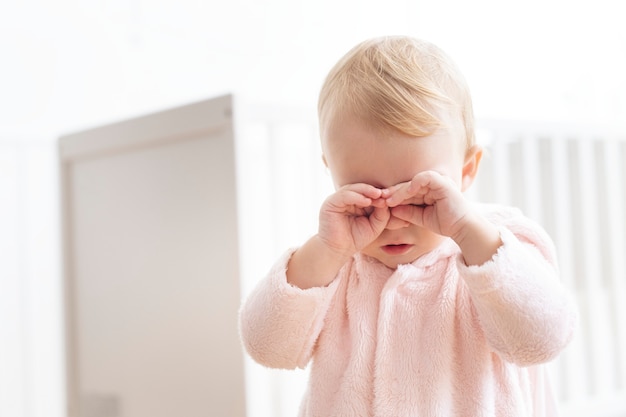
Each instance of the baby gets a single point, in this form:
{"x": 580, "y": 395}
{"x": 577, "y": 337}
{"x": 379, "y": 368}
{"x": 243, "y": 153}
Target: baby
{"x": 410, "y": 300}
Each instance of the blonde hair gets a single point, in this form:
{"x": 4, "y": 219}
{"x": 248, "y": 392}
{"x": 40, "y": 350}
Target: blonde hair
{"x": 398, "y": 82}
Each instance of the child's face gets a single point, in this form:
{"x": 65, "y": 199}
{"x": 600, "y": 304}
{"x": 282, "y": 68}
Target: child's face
{"x": 357, "y": 153}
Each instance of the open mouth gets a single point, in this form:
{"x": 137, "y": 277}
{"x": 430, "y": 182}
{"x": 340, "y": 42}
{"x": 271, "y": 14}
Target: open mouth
{"x": 400, "y": 249}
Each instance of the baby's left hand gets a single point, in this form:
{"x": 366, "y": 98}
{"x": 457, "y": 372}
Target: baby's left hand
{"x": 429, "y": 200}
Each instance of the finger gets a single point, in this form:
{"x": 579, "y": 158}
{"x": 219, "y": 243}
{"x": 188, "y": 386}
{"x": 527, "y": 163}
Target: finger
{"x": 344, "y": 199}
{"x": 430, "y": 181}
{"x": 379, "y": 202}
{"x": 379, "y": 218}
{"x": 397, "y": 194}
{"x": 365, "y": 189}
{"x": 410, "y": 213}
{"x": 395, "y": 223}
{"x": 430, "y": 187}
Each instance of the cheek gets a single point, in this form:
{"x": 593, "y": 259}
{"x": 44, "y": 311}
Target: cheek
{"x": 339, "y": 175}
{"x": 336, "y": 182}
{"x": 454, "y": 170}
{"x": 332, "y": 173}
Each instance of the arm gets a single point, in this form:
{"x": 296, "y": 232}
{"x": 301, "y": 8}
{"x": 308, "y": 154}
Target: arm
{"x": 508, "y": 264}
{"x": 279, "y": 323}
{"x": 525, "y": 312}
{"x": 349, "y": 220}
{"x": 282, "y": 318}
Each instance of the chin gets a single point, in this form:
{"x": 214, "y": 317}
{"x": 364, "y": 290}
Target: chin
{"x": 393, "y": 261}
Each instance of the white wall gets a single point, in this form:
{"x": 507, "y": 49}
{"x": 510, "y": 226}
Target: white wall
{"x": 70, "y": 64}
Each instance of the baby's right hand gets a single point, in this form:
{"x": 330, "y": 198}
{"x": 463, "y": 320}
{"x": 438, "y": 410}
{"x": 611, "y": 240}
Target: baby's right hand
{"x": 352, "y": 218}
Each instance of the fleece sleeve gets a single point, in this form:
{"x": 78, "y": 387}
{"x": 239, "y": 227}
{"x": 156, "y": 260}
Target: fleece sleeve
{"x": 527, "y": 315}
{"x": 279, "y": 323}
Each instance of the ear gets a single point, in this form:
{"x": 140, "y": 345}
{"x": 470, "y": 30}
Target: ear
{"x": 470, "y": 167}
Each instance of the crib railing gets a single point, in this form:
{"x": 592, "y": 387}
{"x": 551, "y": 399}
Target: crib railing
{"x": 570, "y": 179}
{"x": 573, "y": 181}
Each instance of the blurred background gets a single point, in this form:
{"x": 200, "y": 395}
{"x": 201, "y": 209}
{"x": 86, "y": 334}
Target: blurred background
{"x": 67, "y": 66}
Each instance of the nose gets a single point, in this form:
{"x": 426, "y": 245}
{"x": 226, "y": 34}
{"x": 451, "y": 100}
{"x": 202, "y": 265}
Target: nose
{"x": 395, "y": 223}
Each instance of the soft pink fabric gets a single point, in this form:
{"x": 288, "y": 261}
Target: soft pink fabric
{"x": 434, "y": 338}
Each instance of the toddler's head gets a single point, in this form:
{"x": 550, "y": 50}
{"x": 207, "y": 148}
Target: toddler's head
{"x": 391, "y": 108}
{"x": 398, "y": 83}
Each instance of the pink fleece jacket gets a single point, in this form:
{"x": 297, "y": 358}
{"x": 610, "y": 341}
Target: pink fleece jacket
{"x": 434, "y": 338}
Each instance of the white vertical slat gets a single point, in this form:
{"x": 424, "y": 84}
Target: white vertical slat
{"x": 581, "y": 344}
{"x": 292, "y": 182}
{"x": 615, "y": 204}
{"x": 297, "y": 182}
{"x": 12, "y": 313}
{"x": 282, "y": 179}
{"x": 291, "y": 192}
{"x": 532, "y": 177}
{"x": 501, "y": 168}
{"x": 546, "y": 161}
{"x": 516, "y": 174}
{"x": 31, "y": 367}
{"x": 297, "y": 221}
{"x": 620, "y": 275}
{"x": 41, "y": 282}
{"x": 580, "y": 262}
{"x": 595, "y": 294}
{"x": 252, "y": 146}
{"x": 605, "y": 224}
{"x": 255, "y": 208}
{"x": 546, "y": 184}
{"x": 574, "y": 375}
{"x": 276, "y": 192}
{"x": 24, "y": 296}
{"x": 559, "y": 175}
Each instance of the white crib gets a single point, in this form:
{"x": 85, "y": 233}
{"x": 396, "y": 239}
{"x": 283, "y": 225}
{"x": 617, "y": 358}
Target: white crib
{"x": 571, "y": 179}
